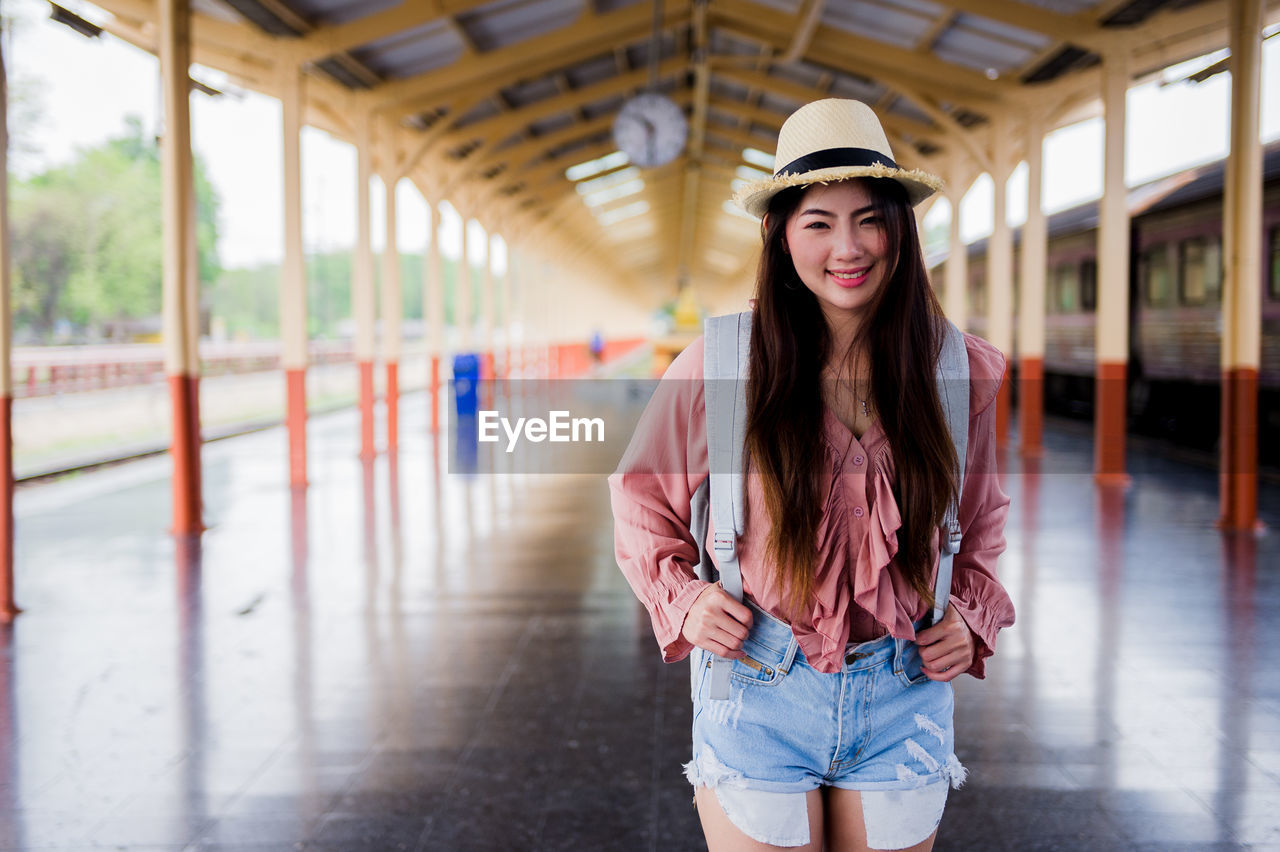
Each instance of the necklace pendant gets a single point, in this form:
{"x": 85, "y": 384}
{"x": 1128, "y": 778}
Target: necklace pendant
{"x": 866, "y": 412}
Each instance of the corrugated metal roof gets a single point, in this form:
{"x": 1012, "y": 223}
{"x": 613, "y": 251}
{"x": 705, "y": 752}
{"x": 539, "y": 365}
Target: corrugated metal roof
{"x": 515, "y": 87}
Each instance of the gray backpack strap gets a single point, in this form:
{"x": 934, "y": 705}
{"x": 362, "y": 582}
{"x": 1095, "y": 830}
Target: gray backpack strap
{"x": 727, "y": 346}
{"x": 953, "y": 393}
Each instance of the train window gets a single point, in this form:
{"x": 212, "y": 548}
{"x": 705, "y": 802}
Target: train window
{"x": 1089, "y": 285}
{"x": 1200, "y": 272}
{"x": 1157, "y": 277}
{"x": 1065, "y": 287}
{"x": 1273, "y": 283}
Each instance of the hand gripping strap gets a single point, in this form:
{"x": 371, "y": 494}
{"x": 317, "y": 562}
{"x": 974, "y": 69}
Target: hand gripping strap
{"x": 727, "y": 346}
{"x": 953, "y": 393}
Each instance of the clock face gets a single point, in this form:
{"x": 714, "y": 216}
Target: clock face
{"x": 650, "y": 129}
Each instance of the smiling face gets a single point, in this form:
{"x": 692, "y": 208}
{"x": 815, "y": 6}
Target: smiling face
{"x": 837, "y": 242}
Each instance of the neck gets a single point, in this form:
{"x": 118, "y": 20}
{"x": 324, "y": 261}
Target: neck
{"x": 843, "y": 330}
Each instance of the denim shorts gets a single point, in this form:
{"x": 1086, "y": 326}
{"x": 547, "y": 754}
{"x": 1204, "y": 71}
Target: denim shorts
{"x": 877, "y": 725}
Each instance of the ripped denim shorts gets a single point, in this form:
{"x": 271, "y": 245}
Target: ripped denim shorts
{"x": 878, "y": 726}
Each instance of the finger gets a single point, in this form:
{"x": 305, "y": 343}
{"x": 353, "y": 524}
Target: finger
{"x": 737, "y": 611}
{"x": 731, "y": 626}
{"x": 719, "y": 649}
{"x": 727, "y": 639}
{"x": 956, "y": 660}
{"x": 944, "y": 677}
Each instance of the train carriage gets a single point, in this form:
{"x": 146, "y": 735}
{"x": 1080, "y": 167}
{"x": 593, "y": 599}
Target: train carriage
{"x": 1175, "y": 305}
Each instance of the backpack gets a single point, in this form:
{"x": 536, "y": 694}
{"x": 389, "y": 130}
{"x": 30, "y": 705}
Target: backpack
{"x": 722, "y": 497}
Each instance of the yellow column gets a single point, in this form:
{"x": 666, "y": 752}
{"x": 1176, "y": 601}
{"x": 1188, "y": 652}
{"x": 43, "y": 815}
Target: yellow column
{"x": 182, "y": 365}
{"x": 486, "y": 308}
{"x": 502, "y": 298}
{"x": 955, "y": 295}
{"x": 1034, "y": 259}
{"x": 1242, "y": 296}
{"x": 293, "y": 281}
{"x": 433, "y": 307}
{"x": 392, "y": 314}
{"x": 1112, "y": 346}
{"x": 363, "y": 298}
{"x": 462, "y": 297}
{"x": 8, "y": 609}
{"x": 1000, "y": 266}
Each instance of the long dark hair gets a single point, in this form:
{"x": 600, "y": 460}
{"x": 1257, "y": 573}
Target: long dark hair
{"x": 790, "y": 346}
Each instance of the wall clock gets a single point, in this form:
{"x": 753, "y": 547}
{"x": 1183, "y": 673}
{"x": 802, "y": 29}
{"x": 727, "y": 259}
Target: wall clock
{"x": 651, "y": 130}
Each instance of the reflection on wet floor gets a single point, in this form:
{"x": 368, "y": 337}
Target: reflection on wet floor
{"x": 406, "y": 658}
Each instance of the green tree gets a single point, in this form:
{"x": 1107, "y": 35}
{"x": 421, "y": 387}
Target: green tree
{"x": 90, "y": 242}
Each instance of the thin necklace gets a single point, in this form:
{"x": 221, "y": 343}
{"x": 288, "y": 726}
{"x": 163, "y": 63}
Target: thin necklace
{"x": 866, "y": 409}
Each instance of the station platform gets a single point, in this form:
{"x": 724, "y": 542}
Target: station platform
{"x": 405, "y": 658}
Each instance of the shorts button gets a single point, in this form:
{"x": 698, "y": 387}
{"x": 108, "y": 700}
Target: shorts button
{"x": 858, "y": 512}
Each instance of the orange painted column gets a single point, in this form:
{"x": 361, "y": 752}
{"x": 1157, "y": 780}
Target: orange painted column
{"x": 1000, "y": 268}
{"x": 185, "y": 451}
{"x": 8, "y": 609}
{"x": 392, "y": 310}
{"x": 1031, "y": 406}
{"x": 433, "y": 305}
{"x": 1031, "y": 287}
{"x": 363, "y": 297}
{"x": 434, "y": 379}
{"x": 1112, "y": 339}
{"x": 1109, "y": 423}
{"x": 296, "y": 419}
{"x": 367, "y": 446}
{"x": 1242, "y": 291}
{"x": 1238, "y": 491}
{"x": 179, "y": 298}
{"x": 293, "y": 279}
{"x": 393, "y": 406}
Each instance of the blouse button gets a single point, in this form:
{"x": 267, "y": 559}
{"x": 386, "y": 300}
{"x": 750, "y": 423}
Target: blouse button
{"x": 857, "y": 512}
{"x": 858, "y": 459}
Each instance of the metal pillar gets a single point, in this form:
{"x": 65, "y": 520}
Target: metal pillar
{"x": 955, "y": 301}
{"x": 1112, "y": 345}
{"x": 180, "y": 299}
{"x": 392, "y": 315}
{"x": 1034, "y": 260}
{"x": 1000, "y": 268}
{"x": 293, "y": 281}
{"x": 1242, "y": 296}
{"x": 8, "y": 609}
{"x": 362, "y": 294}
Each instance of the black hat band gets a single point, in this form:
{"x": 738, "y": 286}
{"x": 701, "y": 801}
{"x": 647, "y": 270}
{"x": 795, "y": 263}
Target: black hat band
{"x": 831, "y": 158}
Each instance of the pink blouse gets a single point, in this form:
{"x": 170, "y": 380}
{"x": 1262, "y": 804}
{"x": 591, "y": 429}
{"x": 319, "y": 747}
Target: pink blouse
{"x": 859, "y": 596}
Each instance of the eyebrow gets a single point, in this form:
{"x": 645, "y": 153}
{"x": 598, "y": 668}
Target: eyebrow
{"x": 817, "y": 212}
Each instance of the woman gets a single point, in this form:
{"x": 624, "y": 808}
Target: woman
{"x": 838, "y": 730}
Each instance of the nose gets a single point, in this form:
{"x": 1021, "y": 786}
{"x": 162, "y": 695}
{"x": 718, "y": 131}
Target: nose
{"x": 848, "y": 245}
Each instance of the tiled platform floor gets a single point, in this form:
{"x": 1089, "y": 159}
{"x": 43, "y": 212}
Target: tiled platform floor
{"x": 406, "y": 659}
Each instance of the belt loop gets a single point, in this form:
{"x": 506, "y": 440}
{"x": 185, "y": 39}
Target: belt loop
{"x": 789, "y": 657}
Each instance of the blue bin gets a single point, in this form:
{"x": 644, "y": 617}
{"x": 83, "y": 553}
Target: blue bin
{"x": 466, "y": 379}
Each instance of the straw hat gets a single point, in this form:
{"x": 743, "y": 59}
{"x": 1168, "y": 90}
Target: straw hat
{"x": 829, "y": 140}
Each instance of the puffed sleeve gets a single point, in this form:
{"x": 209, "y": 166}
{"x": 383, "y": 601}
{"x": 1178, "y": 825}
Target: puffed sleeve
{"x": 975, "y": 590}
{"x": 664, "y": 464}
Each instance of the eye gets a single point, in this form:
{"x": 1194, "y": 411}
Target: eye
{"x": 873, "y": 221}
{"x": 815, "y": 224}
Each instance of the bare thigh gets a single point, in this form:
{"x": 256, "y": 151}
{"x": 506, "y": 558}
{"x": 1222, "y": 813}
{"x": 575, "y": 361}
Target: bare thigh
{"x": 845, "y": 829}
{"x": 723, "y": 836}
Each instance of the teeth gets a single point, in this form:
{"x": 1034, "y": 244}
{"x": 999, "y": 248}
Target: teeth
{"x": 849, "y": 276}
